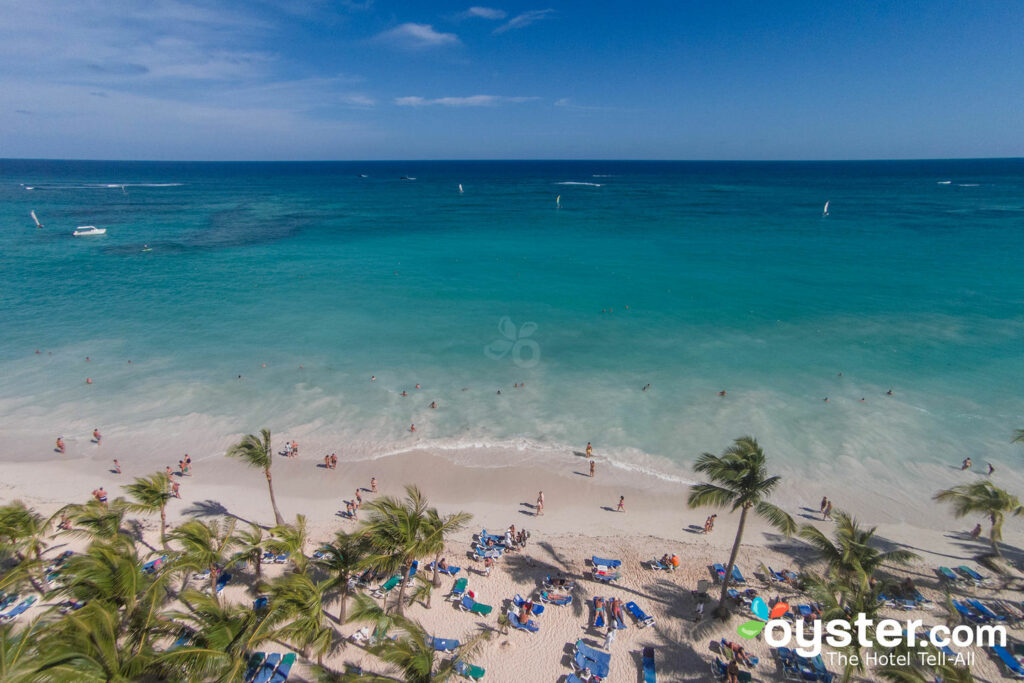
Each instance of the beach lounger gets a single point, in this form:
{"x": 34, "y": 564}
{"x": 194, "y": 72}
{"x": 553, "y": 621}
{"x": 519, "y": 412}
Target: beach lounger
{"x": 223, "y": 580}
{"x": 255, "y": 662}
{"x": 606, "y": 577}
{"x": 985, "y": 611}
{"x": 458, "y": 589}
{"x": 587, "y": 657}
{"x": 945, "y": 649}
{"x": 737, "y": 576}
{"x": 497, "y": 538}
{"x": 657, "y": 564}
{"x": 183, "y": 637}
{"x": 642, "y": 618}
{"x": 284, "y": 668}
{"x": 775, "y": 577}
{"x": 266, "y": 670}
{"x": 282, "y": 558}
{"x": 450, "y": 571}
{"x": 19, "y": 610}
{"x": 598, "y": 620}
{"x": 528, "y": 625}
{"x": 8, "y": 600}
{"x": 601, "y": 562}
{"x": 971, "y": 575}
{"x": 470, "y": 605}
{"x": 469, "y": 670}
{"x": 967, "y": 613}
{"x": 1013, "y": 666}
{"x": 267, "y": 557}
{"x": 719, "y": 571}
{"x": 493, "y": 553}
{"x": 153, "y": 565}
{"x": 537, "y": 609}
{"x": 361, "y": 636}
{"x": 444, "y": 644}
{"x": 615, "y": 614}
{"x": 556, "y": 598}
{"x": 573, "y": 678}
{"x": 647, "y": 666}
{"x": 947, "y": 575}
{"x": 805, "y": 611}
{"x": 386, "y": 587}
{"x": 568, "y": 585}
{"x": 413, "y": 568}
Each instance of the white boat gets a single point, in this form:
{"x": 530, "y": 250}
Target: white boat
{"x": 86, "y": 230}
{"x": 825, "y": 211}
{"x": 38, "y": 224}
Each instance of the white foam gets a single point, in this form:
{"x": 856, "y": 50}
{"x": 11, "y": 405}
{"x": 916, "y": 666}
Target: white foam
{"x": 576, "y": 182}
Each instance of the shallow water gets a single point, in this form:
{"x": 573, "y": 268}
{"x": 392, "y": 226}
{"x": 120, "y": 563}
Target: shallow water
{"x": 732, "y": 278}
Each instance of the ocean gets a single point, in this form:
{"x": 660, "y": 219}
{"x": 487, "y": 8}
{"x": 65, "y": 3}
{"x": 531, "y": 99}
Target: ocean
{"x": 690, "y": 277}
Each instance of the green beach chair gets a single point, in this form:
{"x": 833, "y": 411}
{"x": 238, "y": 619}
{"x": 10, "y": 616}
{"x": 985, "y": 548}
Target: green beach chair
{"x": 387, "y": 586}
{"x": 469, "y": 670}
{"x": 458, "y": 589}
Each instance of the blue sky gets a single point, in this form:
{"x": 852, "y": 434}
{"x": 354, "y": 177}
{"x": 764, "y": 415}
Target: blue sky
{"x": 375, "y": 79}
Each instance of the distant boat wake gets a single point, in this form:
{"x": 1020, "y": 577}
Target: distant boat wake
{"x": 575, "y": 182}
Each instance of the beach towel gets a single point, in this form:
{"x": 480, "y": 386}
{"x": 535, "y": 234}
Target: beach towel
{"x": 601, "y": 562}
{"x": 647, "y": 666}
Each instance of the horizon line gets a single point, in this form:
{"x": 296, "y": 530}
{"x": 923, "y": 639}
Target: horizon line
{"x": 507, "y": 160}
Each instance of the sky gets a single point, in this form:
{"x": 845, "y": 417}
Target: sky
{"x": 541, "y": 79}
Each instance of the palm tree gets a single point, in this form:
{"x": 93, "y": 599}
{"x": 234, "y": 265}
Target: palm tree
{"x": 412, "y": 652}
{"x": 22, "y": 534}
{"x": 223, "y": 637}
{"x": 83, "y": 646}
{"x": 438, "y": 528}
{"x": 19, "y": 652}
{"x": 205, "y": 546}
{"x": 299, "y": 599}
{"x": 740, "y": 481}
{"x": 851, "y": 558}
{"x": 423, "y": 591}
{"x": 97, "y": 521}
{"x": 985, "y": 498}
{"x": 396, "y": 530}
{"x": 150, "y": 495}
{"x": 838, "y": 600}
{"x": 256, "y": 451}
{"x": 342, "y": 559}
{"x": 250, "y": 548}
{"x": 291, "y": 539}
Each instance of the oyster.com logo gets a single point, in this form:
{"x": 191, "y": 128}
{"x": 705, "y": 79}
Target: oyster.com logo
{"x": 750, "y": 629}
{"x": 516, "y": 343}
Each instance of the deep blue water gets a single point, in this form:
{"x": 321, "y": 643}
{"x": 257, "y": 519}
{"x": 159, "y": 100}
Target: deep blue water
{"x": 732, "y": 277}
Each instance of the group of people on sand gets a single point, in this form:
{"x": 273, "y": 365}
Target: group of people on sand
{"x": 826, "y": 508}
{"x": 352, "y": 506}
{"x": 331, "y": 461}
{"x": 97, "y": 439}
{"x": 709, "y": 524}
{"x": 291, "y": 449}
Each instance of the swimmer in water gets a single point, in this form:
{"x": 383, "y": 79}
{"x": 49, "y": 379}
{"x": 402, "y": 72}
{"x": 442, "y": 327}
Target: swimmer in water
{"x": 404, "y": 393}
{"x": 889, "y": 393}
{"x": 433, "y": 404}
{"x": 373, "y": 378}
{"x": 417, "y": 386}
{"x": 722, "y": 392}
{"x": 826, "y": 399}
{"x": 412, "y": 428}
{"x": 88, "y": 380}
{"x": 499, "y": 392}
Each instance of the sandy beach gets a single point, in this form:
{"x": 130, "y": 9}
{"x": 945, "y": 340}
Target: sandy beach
{"x": 579, "y": 521}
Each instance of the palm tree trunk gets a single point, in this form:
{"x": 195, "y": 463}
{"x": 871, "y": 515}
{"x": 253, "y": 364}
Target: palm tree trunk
{"x": 992, "y": 536}
{"x": 278, "y": 519}
{"x": 163, "y": 526}
{"x": 344, "y": 599}
{"x": 258, "y": 561}
{"x": 401, "y": 589}
{"x": 213, "y": 585}
{"x": 722, "y": 610}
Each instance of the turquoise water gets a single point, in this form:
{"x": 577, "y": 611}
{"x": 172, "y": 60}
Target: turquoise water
{"x": 732, "y": 278}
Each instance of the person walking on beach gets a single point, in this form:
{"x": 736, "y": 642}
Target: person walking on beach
{"x": 334, "y": 461}
{"x": 622, "y": 504}
{"x": 540, "y": 504}
{"x": 824, "y": 504}
{"x": 991, "y": 469}
{"x": 169, "y": 473}
{"x": 827, "y": 515}
{"x": 96, "y": 436}
{"x": 976, "y": 531}
{"x": 591, "y": 468}
{"x": 488, "y": 565}
{"x": 373, "y": 484}
{"x": 590, "y": 450}
{"x": 175, "y": 486}
{"x": 327, "y": 462}
{"x": 60, "y": 444}
{"x": 100, "y": 495}
{"x": 117, "y": 467}
{"x": 609, "y": 637}
{"x": 359, "y": 500}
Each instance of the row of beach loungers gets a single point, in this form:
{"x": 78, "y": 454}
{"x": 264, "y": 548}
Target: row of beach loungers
{"x": 272, "y": 668}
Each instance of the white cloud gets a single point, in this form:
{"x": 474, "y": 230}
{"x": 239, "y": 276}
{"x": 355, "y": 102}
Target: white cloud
{"x": 470, "y": 101}
{"x": 410, "y": 35}
{"x": 485, "y": 13}
{"x": 524, "y": 19}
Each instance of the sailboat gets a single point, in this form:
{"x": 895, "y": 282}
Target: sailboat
{"x": 460, "y": 188}
{"x": 558, "y": 202}
{"x": 38, "y": 224}
{"x": 825, "y": 211}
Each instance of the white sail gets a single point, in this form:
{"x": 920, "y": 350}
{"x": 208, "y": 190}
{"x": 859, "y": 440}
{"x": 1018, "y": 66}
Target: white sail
{"x": 558, "y": 202}
{"x": 825, "y": 211}
{"x": 460, "y": 188}
{"x": 38, "y": 224}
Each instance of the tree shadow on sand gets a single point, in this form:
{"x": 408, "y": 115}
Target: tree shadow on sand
{"x": 213, "y": 508}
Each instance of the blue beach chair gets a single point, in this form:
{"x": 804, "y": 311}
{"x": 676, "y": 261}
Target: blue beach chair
{"x": 647, "y": 666}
